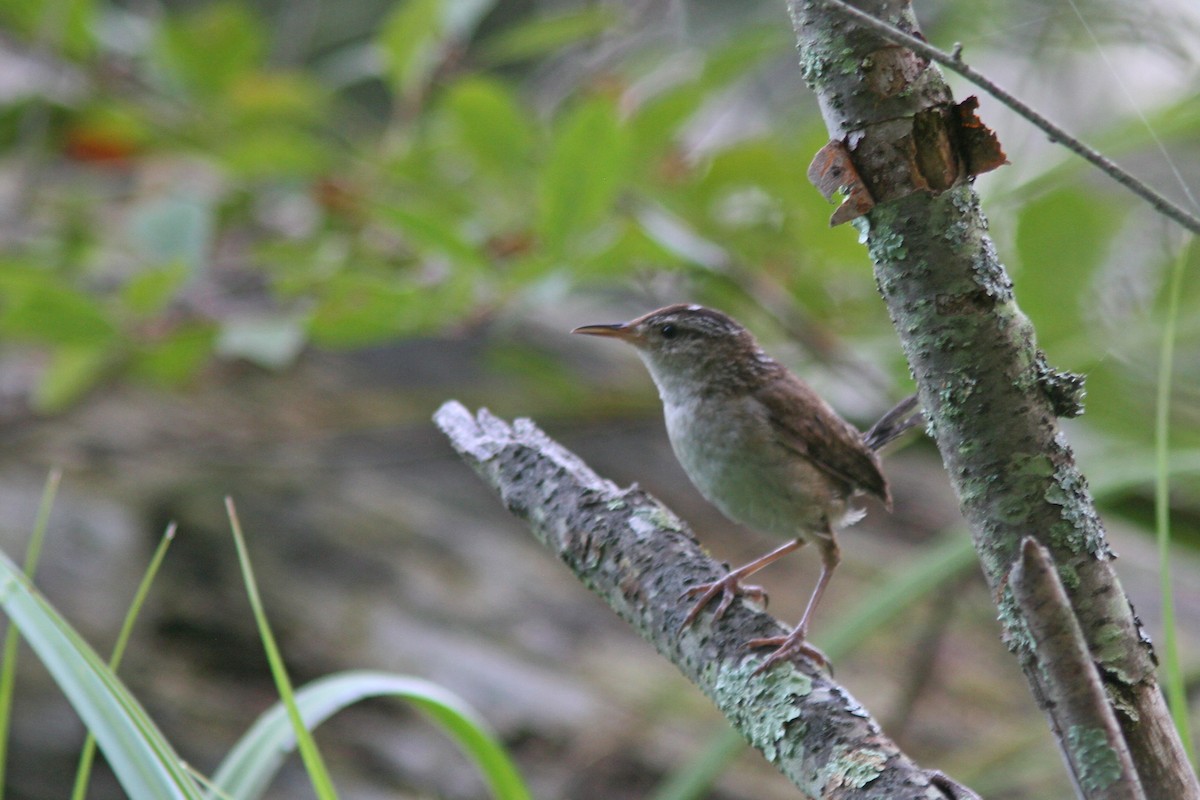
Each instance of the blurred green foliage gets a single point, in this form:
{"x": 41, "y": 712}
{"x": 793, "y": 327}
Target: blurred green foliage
{"x": 206, "y": 188}
{"x": 187, "y": 183}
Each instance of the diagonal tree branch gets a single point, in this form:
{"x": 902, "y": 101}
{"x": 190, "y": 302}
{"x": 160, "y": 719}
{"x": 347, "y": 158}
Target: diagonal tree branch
{"x": 990, "y": 396}
{"x": 637, "y": 555}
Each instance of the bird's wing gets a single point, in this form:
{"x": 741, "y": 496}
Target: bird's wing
{"x": 821, "y": 436}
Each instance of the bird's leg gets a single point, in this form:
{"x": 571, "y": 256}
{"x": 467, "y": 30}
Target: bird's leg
{"x": 730, "y": 586}
{"x": 794, "y": 643}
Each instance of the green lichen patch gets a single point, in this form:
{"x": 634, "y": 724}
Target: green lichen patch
{"x": 1016, "y": 633}
{"x": 1097, "y": 763}
{"x": 847, "y": 62}
{"x": 1012, "y": 509}
{"x": 1069, "y": 577}
{"x": 1110, "y": 651}
{"x": 761, "y": 706}
{"x": 852, "y": 768}
{"x": 1034, "y": 465}
{"x": 649, "y": 519}
{"x": 887, "y": 245}
{"x": 990, "y": 274}
{"x": 1081, "y": 530}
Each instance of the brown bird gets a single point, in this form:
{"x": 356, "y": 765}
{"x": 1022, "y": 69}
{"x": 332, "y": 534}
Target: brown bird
{"x": 760, "y": 445}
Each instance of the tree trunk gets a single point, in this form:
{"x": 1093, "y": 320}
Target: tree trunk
{"x": 904, "y": 156}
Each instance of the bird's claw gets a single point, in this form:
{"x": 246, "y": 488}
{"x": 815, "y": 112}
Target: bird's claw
{"x": 794, "y": 644}
{"x": 729, "y": 587}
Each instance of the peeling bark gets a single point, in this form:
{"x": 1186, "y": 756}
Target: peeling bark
{"x": 990, "y": 397}
{"x": 639, "y": 558}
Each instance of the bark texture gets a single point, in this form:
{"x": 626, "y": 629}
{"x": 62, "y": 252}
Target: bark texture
{"x": 1094, "y": 747}
{"x": 639, "y": 557}
{"x": 992, "y": 400}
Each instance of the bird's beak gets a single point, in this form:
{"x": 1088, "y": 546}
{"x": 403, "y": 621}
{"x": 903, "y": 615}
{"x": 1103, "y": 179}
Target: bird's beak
{"x": 614, "y": 330}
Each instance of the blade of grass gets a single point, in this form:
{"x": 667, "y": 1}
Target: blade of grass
{"x": 249, "y": 767}
{"x": 313, "y": 763}
{"x": 88, "y": 755}
{"x": 8, "y": 668}
{"x": 1172, "y": 672}
{"x": 139, "y": 755}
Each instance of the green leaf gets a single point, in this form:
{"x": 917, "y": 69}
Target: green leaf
{"x": 211, "y": 46}
{"x": 409, "y": 41}
{"x": 433, "y": 232}
{"x": 250, "y": 766}
{"x": 1062, "y": 238}
{"x": 40, "y": 309}
{"x": 72, "y": 371}
{"x": 632, "y": 250}
{"x": 413, "y": 39}
{"x": 275, "y": 150}
{"x": 583, "y": 174}
{"x": 359, "y": 310}
{"x": 542, "y": 35}
{"x": 491, "y": 125}
{"x": 139, "y": 755}
{"x": 656, "y": 121}
{"x": 65, "y": 24}
{"x": 150, "y": 291}
{"x": 257, "y": 97}
{"x": 174, "y": 359}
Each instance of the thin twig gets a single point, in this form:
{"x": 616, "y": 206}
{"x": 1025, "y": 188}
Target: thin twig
{"x": 953, "y": 61}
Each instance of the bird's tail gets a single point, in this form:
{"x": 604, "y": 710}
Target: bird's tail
{"x": 906, "y": 414}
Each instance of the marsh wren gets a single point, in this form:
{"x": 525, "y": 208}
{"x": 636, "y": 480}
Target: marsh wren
{"x": 760, "y": 445}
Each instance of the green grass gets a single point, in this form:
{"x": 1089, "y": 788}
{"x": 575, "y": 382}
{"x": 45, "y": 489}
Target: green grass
{"x": 88, "y": 755}
{"x": 1173, "y": 679}
{"x": 251, "y": 764}
{"x": 313, "y": 762}
{"x": 144, "y": 761}
{"x": 8, "y": 668}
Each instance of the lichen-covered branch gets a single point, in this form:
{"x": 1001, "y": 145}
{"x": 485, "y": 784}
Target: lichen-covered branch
{"x": 1083, "y": 720}
{"x": 632, "y": 551}
{"x": 991, "y": 399}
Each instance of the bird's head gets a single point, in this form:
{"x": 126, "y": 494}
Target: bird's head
{"x": 685, "y": 344}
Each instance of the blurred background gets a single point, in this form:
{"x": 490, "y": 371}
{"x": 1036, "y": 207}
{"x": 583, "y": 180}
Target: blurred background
{"x": 247, "y": 248}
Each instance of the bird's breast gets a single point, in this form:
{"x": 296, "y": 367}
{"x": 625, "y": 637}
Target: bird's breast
{"x": 729, "y": 451}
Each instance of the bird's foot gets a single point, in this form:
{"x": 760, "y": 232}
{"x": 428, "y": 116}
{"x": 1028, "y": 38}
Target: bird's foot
{"x": 729, "y": 587}
{"x": 786, "y": 647}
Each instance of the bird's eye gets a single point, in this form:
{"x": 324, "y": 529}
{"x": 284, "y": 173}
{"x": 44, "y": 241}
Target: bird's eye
{"x": 668, "y": 331}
